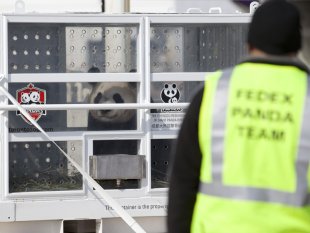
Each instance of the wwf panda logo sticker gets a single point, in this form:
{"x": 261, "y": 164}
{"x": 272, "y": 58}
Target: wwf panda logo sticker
{"x": 31, "y": 95}
{"x": 170, "y": 93}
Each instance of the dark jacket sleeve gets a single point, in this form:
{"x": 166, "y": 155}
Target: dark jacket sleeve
{"x": 185, "y": 170}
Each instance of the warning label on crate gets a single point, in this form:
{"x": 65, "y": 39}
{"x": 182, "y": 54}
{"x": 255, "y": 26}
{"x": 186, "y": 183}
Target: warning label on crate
{"x": 141, "y": 207}
{"x": 166, "y": 121}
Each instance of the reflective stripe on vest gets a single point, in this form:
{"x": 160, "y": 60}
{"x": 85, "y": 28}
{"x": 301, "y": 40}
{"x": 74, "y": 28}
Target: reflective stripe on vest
{"x": 300, "y": 197}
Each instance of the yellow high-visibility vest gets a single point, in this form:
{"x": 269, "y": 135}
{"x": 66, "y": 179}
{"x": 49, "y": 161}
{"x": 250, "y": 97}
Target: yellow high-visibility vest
{"x": 254, "y": 135}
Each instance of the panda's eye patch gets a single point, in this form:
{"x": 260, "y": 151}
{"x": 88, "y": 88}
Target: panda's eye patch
{"x": 168, "y": 92}
{"x": 103, "y": 112}
{"x": 172, "y": 92}
{"x": 174, "y": 85}
{"x": 117, "y": 98}
{"x": 166, "y": 85}
{"x": 98, "y": 98}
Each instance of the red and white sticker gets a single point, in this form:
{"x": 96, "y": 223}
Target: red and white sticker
{"x": 31, "y": 95}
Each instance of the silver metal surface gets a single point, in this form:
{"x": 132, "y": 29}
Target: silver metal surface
{"x": 74, "y": 150}
{"x": 7, "y": 211}
{"x": 166, "y": 49}
{"x": 84, "y": 48}
{"x": 121, "y": 49}
{"x": 116, "y": 166}
{"x": 101, "y": 49}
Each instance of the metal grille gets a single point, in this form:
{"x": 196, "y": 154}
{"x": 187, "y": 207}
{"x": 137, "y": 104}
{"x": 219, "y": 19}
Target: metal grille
{"x": 84, "y": 48}
{"x": 59, "y": 48}
{"x": 34, "y": 48}
{"x": 40, "y": 166}
{"x": 160, "y": 152}
{"x": 196, "y": 48}
{"x": 166, "y": 49}
{"x": 222, "y": 45}
{"x": 121, "y": 49}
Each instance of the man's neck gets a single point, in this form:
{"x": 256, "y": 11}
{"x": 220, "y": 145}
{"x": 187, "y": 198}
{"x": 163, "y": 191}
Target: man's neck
{"x": 254, "y": 52}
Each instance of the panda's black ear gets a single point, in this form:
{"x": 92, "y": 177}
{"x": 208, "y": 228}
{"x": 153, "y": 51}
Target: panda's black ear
{"x": 132, "y": 85}
{"x": 174, "y": 85}
{"x": 93, "y": 69}
{"x": 166, "y": 85}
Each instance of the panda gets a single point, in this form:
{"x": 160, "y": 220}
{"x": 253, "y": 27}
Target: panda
{"x": 170, "y": 93}
{"x": 112, "y": 119}
{"x": 25, "y": 98}
{"x": 34, "y": 97}
{"x": 113, "y": 93}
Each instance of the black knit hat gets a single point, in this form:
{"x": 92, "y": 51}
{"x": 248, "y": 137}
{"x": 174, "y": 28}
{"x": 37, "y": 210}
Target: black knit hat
{"x": 275, "y": 28}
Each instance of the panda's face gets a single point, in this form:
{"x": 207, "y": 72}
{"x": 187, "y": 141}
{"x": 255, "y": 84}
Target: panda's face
{"x": 113, "y": 93}
{"x": 170, "y": 90}
{"x": 34, "y": 96}
{"x": 25, "y": 98}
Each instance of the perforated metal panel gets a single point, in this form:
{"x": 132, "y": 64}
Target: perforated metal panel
{"x": 84, "y": 48}
{"x": 161, "y": 155}
{"x": 40, "y": 166}
{"x": 222, "y": 45}
{"x": 101, "y": 49}
{"x": 121, "y": 49}
{"x": 196, "y": 48}
{"x": 167, "y": 49}
{"x": 34, "y": 48}
{"x": 59, "y": 48}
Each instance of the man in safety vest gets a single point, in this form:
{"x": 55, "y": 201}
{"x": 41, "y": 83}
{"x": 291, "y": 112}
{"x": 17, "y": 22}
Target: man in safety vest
{"x": 241, "y": 164}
